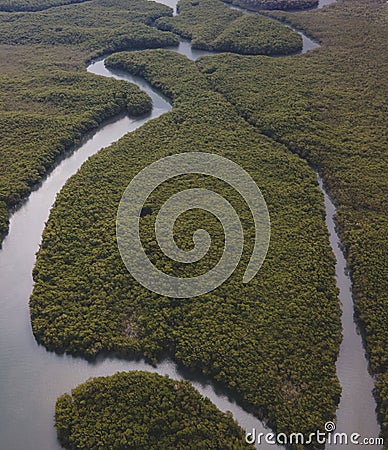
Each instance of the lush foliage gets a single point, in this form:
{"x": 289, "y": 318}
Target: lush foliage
{"x": 97, "y": 27}
{"x": 201, "y": 21}
{"x": 94, "y": 40}
{"x": 47, "y": 115}
{"x": 46, "y": 104}
{"x": 256, "y": 35}
{"x": 275, "y": 340}
{"x": 330, "y": 107}
{"x": 141, "y": 410}
{"x": 212, "y": 25}
{"x": 33, "y": 5}
{"x": 256, "y": 5}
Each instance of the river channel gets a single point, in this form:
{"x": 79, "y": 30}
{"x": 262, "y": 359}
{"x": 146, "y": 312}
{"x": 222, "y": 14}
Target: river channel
{"x": 31, "y": 378}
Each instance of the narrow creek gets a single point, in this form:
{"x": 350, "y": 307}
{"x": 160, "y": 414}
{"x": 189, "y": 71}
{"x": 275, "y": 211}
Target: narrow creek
{"x": 31, "y": 378}
{"x": 356, "y": 411}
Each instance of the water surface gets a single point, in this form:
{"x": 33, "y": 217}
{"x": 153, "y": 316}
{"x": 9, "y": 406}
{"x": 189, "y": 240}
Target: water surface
{"x": 356, "y": 411}
{"x": 31, "y": 378}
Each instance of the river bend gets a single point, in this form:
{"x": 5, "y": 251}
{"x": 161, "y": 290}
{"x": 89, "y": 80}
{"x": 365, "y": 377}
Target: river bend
{"x": 31, "y": 378}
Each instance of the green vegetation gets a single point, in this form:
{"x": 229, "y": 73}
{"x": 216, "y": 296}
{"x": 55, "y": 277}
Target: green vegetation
{"x": 47, "y": 115}
{"x": 273, "y": 341}
{"x": 46, "y": 102}
{"x": 256, "y": 35}
{"x": 256, "y": 5}
{"x": 201, "y": 21}
{"x": 211, "y": 25}
{"x": 36, "y": 48}
{"x": 96, "y": 27}
{"x": 329, "y": 106}
{"x": 33, "y": 5}
{"x": 101, "y": 40}
{"x": 141, "y": 410}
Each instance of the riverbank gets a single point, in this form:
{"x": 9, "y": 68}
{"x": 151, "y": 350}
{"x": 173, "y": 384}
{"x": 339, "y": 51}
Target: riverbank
{"x": 18, "y": 365}
{"x": 324, "y": 108}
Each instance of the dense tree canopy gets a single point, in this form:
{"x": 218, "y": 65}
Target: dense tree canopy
{"x": 97, "y": 27}
{"x": 330, "y": 108}
{"x": 46, "y": 104}
{"x": 33, "y": 5}
{"x": 212, "y": 25}
{"x": 141, "y": 410}
{"x": 275, "y": 340}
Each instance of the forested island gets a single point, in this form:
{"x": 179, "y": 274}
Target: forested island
{"x": 245, "y": 336}
{"x": 212, "y": 25}
{"x": 141, "y": 410}
{"x": 273, "y": 342}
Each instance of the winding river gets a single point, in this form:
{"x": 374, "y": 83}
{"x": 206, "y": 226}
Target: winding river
{"x": 31, "y": 378}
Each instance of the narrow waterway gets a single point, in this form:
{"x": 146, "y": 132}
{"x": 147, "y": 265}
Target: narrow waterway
{"x": 355, "y": 413}
{"x": 307, "y": 43}
{"x": 31, "y": 378}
